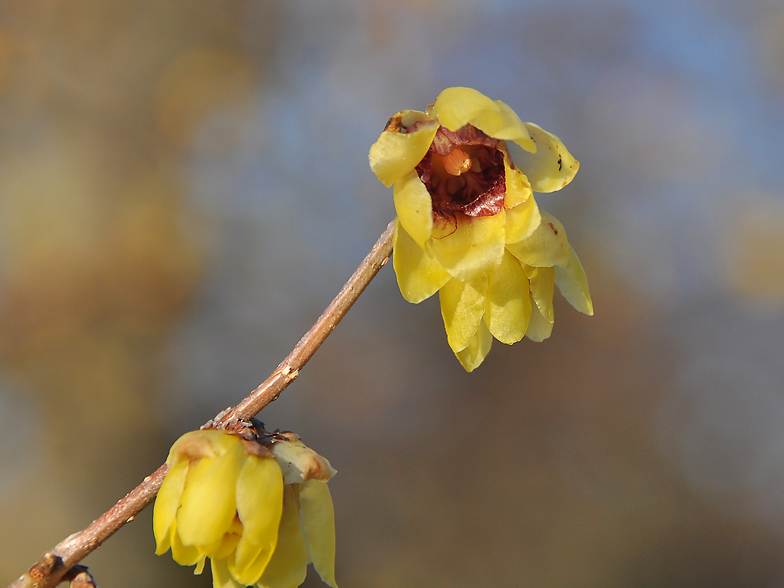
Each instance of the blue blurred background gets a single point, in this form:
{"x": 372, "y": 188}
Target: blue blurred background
{"x": 184, "y": 187}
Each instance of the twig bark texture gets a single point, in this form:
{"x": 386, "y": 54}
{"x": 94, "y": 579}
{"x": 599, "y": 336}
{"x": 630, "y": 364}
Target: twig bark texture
{"x": 54, "y": 565}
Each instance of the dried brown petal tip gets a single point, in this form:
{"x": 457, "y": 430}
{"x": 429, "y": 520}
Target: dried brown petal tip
{"x": 253, "y": 447}
{"x": 298, "y": 462}
{"x": 395, "y": 123}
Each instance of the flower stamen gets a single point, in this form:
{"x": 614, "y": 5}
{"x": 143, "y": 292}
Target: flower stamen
{"x": 457, "y": 162}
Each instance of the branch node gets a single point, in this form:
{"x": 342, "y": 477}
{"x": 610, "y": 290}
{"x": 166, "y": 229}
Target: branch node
{"x": 40, "y": 572}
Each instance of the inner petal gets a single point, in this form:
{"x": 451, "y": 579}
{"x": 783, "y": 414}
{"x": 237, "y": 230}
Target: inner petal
{"x": 463, "y": 171}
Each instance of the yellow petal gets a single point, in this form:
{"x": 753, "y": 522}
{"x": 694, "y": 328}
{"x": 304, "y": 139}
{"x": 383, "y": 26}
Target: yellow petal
{"x": 547, "y": 245}
{"x": 539, "y": 328}
{"x": 208, "y": 505}
{"x": 221, "y": 576}
{"x": 508, "y": 308}
{"x": 196, "y": 444}
{"x": 260, "y": 500}
{"x": 522, "y": 221}
{"x": 185, "y": 555}
{"x": 573, "y": 284}
{"x": 249, "y": 561}
{"x": 455, "y": 107}
{"x": 542, "y": 288}
{"x": 397, "y": 153}
{"x": 472, "y": 356}
{"x": 200, "y": 566}
{"x": 474, "y": 248}
{"x": 414, "y": 208}
{"x": 166, "y": 504}
{"x": 318, "y": 528}
{"x": 503, "y": 123}
{"x": 259, "y": 506}
{"x": 419, "y": 275}
{"x": 462, "y": 308}
{"x": 551, "y": 167}
{"x": 288, "y": 566}
{"x": 518, "y": 190}
{"x": 226, "y": 545}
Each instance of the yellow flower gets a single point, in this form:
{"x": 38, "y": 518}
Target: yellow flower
{"x": 464, "y": 172}
{"x": 257, "y": 506}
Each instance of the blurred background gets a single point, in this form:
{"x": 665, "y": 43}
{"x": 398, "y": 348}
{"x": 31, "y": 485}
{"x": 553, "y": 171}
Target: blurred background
{"x": 184, "y": 187}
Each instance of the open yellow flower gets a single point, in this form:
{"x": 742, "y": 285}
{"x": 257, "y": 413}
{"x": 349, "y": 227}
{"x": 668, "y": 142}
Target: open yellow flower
{"x": 258, "y": 508}
{"x": 464, "y": 172}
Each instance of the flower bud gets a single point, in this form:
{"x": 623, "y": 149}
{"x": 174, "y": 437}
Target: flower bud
{"x": 227, "y": 498}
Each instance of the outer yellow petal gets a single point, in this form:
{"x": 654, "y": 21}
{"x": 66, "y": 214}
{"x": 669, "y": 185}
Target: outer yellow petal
{"x": 455, "y": 107}
{"x": 539, "y": 328}
{"x": 518, "y": 189}
{"x": 166, "y": 504}
{"x": 472, "y": 356}
{"x": 503, "y": 123}
{"x": 185, "y": 555}
{"x": 474, "y": 248}
{"x": 196, "y": 444}
{"x": 508, "y": 308}
{"x": 551, "y": 167}
{"x": 288, "y": 566}
{"x": 397, "y": 153}
{"x": 547, "y": 245}
{"x": 419, "y": 275}
{"x": 462, "y": 308}
{"x": 208, "y": 505}
{"x": 573, "y": 284}
{"x": 260, "y": 500}
{"x": 248, "y": 561}
{"x": 200, "y": 566}
{"x": 318, "y": 528}
{"x": 226, "y": 545}
{"x": 542, "y": 288}
{"x": 221, "y": 576}
{"x": 414, "y": 207}
{"x": 522, "y": 221}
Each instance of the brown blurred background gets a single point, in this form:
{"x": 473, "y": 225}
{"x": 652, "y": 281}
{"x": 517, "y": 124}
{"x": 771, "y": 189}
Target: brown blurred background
{"x": 184, "y": 187}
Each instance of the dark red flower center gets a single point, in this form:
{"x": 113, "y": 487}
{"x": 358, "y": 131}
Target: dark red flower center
{"x": 464, "y": 172}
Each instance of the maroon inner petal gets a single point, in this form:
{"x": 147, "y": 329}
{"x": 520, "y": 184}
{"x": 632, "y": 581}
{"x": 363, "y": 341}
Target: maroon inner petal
{"x": 445, "y": 140}
{"x": 480, "y": 191}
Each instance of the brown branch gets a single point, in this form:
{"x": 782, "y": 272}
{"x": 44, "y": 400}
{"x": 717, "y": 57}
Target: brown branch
{"x": 53, "y": 566}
